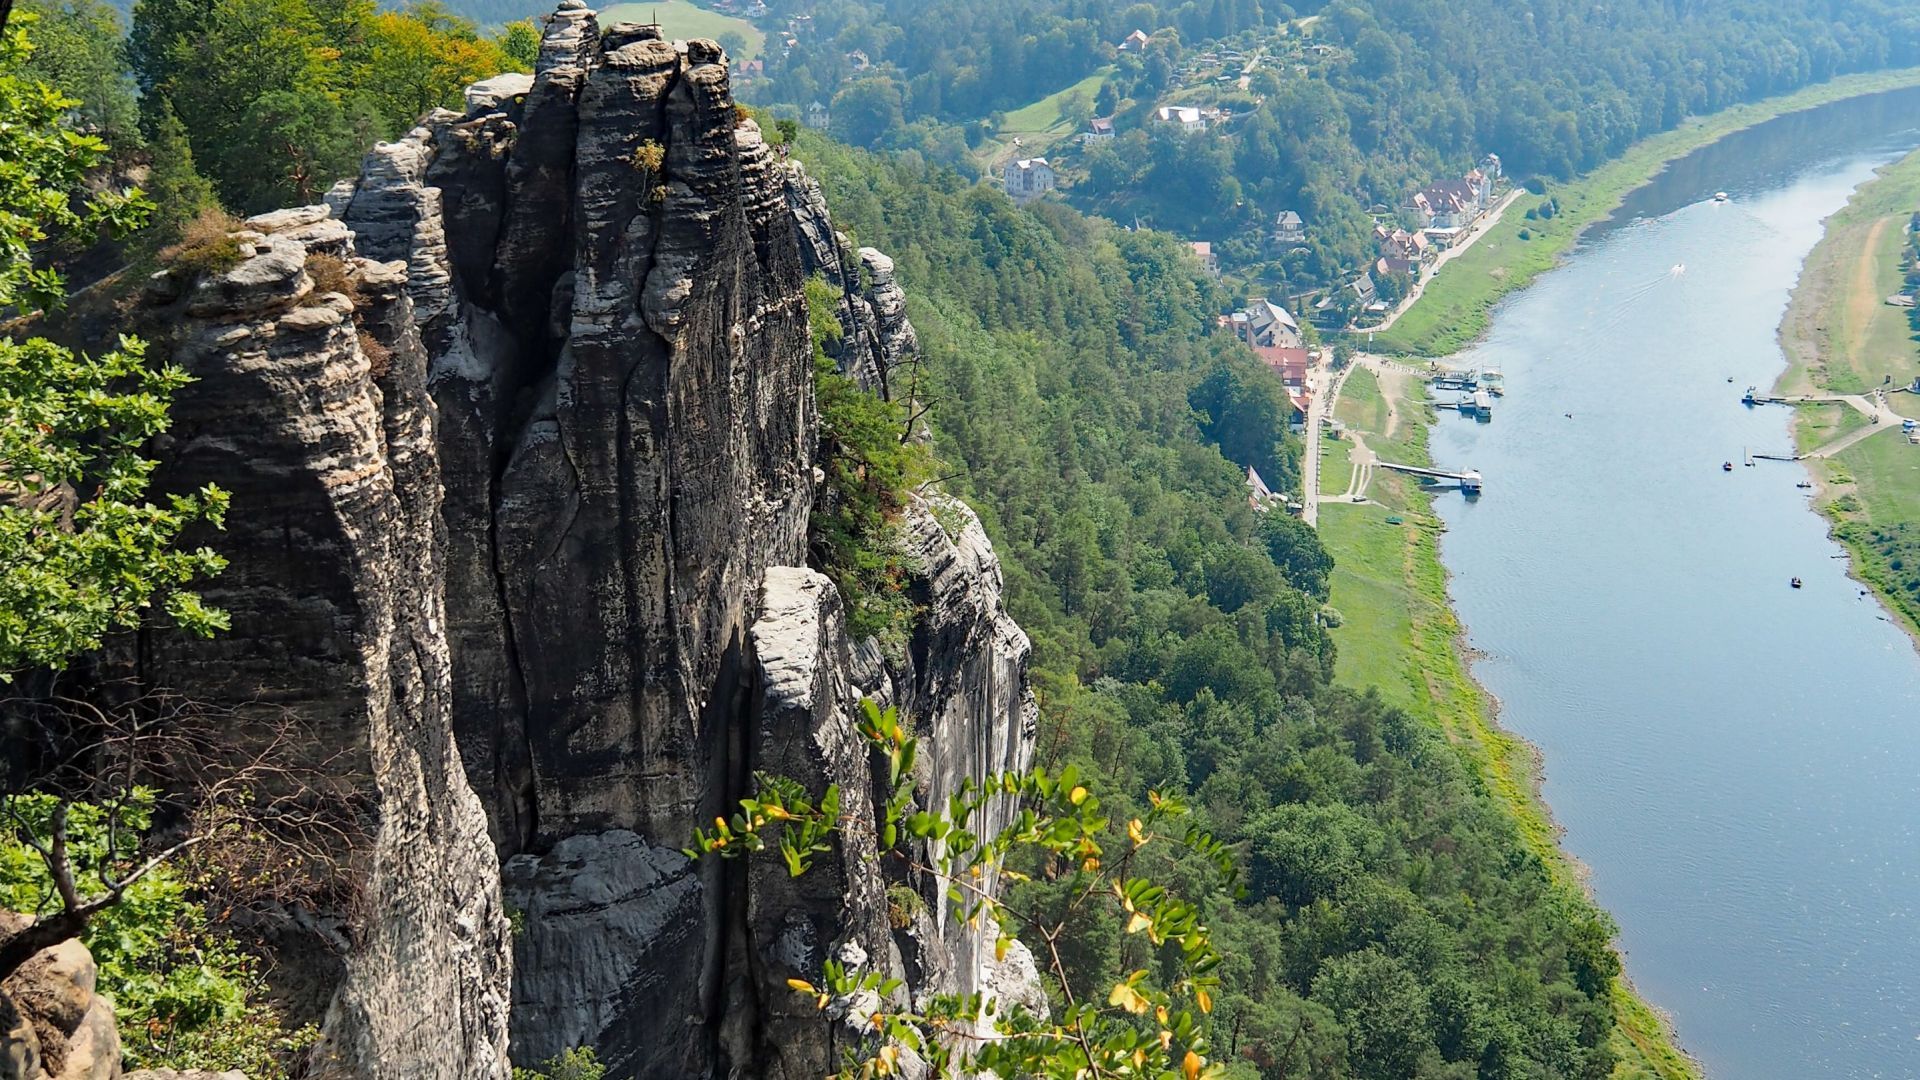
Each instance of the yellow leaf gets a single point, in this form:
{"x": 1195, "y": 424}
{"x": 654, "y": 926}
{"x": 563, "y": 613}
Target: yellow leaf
{"x": 890, "y": 1057}
{"x": 801, "y": 985}
{"x": 1090, "y": 865}
{"x": 1000, "y": 949}
{"x": 1166, "y": 1040}
{"x": 1160, "y": 1014}
{"x": 1136, "y": 833}
{"x": 1190, "y": 1066}
{"x": 1077, "y": 796}
{"x": 1126, "y": 997}
{"x": 1138, "y": 923}
{"x": 1206, "y": 1000}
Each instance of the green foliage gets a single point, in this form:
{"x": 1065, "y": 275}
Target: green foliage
{"x": 78, "y": 54}
{"x": 183, "y": 996}
{"x": 520, "y": 45}
{"x": 1153, "y": 1022}
{"x": 576, "y": 1064}
{"x": 872, "y": 465}
{"x": 1063, "y": 357}
{"x": 279, "y": 98}
{"x": 180, "y": 194}
{"x": 82, "y": 551}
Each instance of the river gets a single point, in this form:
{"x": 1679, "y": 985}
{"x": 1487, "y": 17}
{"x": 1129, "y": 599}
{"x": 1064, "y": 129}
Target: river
{"x": 1736, "y": 762}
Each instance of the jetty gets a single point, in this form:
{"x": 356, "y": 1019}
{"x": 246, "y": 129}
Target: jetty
{"x": 1469, "y": 481}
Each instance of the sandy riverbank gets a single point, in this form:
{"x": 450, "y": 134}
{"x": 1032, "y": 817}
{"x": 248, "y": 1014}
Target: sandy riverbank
{"x": 1840, "y": 336}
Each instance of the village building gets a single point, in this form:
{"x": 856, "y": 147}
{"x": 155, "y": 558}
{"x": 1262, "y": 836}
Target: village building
{"x": 1098, "y": 129}
{"x": 1265, "y": 324}
{"x": 1027, "y": 179}
{"x": 1291, "y": 364}
{"x": 1186, "y": 117}
{"x": 1289, "y": 228}
{"x": 1367, "y": 292}
{"x": 1402, "y": 245}
{"x": 817, "y": 116}
{"x": 1203, "y": 251}
{"x": 1259, "y": 495}
{"x": 858, "y": 60}
{"x": 1135, "y": 42}
{"x": 749, "y": 70}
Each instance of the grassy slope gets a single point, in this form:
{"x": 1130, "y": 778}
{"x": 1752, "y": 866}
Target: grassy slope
{"x": 680, "y": 19}
{"x": 1039, "y": 124}
{"x": 1044, "y": 116}
{"x": 1841, "y": 337}
{"x": 1455, "y": 308}
{"x": 1399, "y": 633}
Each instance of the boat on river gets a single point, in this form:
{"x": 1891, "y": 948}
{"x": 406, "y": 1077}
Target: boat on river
{"x": 1720, "y": 196}
{"x": 1796, "y": 583}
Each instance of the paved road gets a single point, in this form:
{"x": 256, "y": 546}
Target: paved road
{"x": 1875, "y": 407}
{"x": 1479, "y": 230}
{"x": 1325, "y": 388}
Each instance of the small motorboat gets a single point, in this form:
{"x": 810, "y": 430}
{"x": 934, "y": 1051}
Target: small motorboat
{"x": 1726, "y": 466}
{"x": 1720, "y": 196}
{"x": 1804, "y": 484}
{"x": 1796, "y": 583}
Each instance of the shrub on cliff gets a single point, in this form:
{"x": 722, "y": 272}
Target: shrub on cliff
{"x": 871, "y": 465}
{"x": 84, "y": 550}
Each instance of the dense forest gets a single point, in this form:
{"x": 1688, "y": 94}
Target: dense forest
{"x": 1393, "y": 924}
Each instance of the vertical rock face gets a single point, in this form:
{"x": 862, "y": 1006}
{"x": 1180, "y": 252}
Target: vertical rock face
{"x": 542, "y": 489}
{"x": 312, "y": 410}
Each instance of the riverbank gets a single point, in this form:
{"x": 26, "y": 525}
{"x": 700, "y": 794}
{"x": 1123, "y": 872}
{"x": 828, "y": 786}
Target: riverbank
{"x": 1841, "y": 337}
{"x": 1455, "y": 306}
{"x": 1399, "y": 633}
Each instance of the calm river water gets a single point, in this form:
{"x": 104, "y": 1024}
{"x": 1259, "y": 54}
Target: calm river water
{"x": 1737, "y": 762}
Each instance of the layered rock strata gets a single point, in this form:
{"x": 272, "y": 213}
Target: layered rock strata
{"x": 542, "y": 488}
{"x": 311, "y": 408}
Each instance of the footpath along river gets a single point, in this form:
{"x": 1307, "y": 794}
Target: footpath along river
{"x": 1735, "y": 761}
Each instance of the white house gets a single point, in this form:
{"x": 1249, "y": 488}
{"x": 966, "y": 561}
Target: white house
{"x": 1099, "y": 129}
{"x": 1186, "y": 116}
{"x": 1288, "y": 228}
{"x": 1135, "y": 42}
{"x": 1028, "y": 178}
{"x": 817, "y": 116}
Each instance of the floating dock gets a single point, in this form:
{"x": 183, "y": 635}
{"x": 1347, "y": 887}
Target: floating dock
{"x": 1470, "y": 481}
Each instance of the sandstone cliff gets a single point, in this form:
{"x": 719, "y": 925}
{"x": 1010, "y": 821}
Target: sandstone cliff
{"x": 540, "y": 487}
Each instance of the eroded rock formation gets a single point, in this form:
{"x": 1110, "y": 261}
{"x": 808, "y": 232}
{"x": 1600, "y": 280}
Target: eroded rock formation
{"x": 540, "y": 486}
{"x": 311, "y": 408}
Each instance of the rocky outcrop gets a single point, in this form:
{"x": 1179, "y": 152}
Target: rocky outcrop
{"x": 879, "y": 342}
{"x": 523, "y": 523}
{"x": 53, "y": 1026}
{"x": 312, "y": 410}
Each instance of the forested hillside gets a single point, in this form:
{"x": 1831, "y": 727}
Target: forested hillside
{"x": 1392, "y": 94}
{"x": 1394, "y": 923}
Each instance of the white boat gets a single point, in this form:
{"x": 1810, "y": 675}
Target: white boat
{"x": 1720, "y": 196}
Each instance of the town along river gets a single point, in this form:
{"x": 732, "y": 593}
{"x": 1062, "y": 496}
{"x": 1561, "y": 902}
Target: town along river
{"x": 1736, "y": 762}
